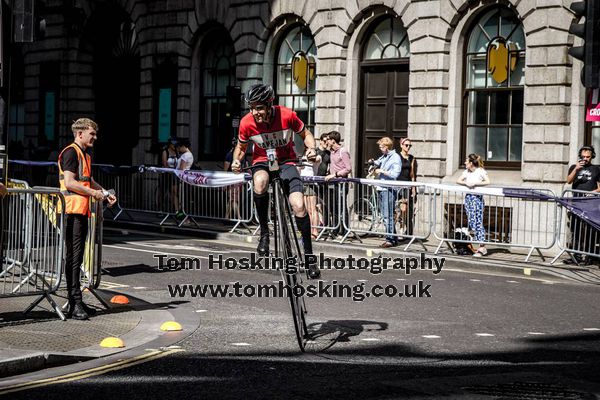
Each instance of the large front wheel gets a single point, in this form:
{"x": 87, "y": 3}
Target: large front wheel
{"x": 287, "y": 246}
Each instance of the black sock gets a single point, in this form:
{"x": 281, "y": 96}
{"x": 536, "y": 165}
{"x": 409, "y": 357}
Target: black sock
{"x": 304, "y": 227}
{"x": 261, "y": 201}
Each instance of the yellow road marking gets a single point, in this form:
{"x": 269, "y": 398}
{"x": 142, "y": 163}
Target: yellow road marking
{"x": 90, "y": 372}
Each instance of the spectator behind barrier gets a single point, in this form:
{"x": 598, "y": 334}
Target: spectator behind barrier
{"x": 339, "y": 167}
{"x": 473, "y": 176}
{"x": 582, "y": 176}
{"x": 408, "y": 173}
{"x": 388, "y": 168}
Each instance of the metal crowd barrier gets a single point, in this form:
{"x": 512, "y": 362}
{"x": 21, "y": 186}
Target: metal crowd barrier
{"x": 412, "y": 205}
{"x": 234, "y": 203}
{"x": 576, "y": 237}
{"x": 352, "y": 207}
{"x": 508, "y": 221}
{"x": 31, "y": 246}
{"x": 321, "y": 200}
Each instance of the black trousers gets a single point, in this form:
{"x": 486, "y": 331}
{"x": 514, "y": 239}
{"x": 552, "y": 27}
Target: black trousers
{"x": 406, "y": 194}
{"x": 75, "y": 235}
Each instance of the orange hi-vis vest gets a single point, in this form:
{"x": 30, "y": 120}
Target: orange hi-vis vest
{"x": 77, "y": 203}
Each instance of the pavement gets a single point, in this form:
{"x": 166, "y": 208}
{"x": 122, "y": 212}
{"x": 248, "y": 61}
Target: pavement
{"x": 40, "y": 340}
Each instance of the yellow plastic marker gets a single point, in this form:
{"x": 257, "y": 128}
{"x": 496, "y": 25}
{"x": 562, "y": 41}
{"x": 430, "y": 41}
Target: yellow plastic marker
{"x": 170, "y": 326}
{"x": 527, "y": 271}
{"x": 112, "y": 342}
{"x": 369, "y": 253}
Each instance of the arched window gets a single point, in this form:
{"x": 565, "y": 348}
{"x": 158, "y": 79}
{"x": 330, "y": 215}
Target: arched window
{"x": 295, "y": 74}
{"x": 495, "y": 77}
{"x": 389, "y": 39}
{"x": 218, "y": 72}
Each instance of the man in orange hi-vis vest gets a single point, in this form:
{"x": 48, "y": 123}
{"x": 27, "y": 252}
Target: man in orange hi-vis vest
{"x": 78, "y": 186}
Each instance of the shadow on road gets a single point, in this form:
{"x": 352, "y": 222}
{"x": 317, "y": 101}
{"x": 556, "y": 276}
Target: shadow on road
{"x": 561, "y": 367}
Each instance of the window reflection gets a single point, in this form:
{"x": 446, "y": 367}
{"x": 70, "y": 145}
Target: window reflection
{"x": 495, "y": 65}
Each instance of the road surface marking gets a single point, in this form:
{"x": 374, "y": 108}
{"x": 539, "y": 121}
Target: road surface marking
{"x": 153, "y": 251}
{"x": 89, "y": 372}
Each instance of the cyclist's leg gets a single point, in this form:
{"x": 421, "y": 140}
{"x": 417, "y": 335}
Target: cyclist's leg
{"x": 293, "y": 185}
{"x": 260, "y": 179}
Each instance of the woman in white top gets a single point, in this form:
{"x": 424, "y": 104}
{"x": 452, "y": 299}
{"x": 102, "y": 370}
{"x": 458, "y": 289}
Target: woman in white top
{"x": 474, "y": 175}
{"x": 184, "y": 163}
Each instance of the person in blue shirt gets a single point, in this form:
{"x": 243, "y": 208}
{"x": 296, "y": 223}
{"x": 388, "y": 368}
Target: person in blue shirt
{"x": 388, "y": 166}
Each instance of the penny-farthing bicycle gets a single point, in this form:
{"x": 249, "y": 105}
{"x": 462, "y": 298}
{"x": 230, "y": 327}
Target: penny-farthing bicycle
{"x": 287, "y": 247}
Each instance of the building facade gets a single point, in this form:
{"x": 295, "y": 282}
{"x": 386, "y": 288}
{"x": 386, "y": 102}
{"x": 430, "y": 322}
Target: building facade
{"x": 456, "y": 76}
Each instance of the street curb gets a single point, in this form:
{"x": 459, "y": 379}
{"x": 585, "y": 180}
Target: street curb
{"x": 36, "y": 364}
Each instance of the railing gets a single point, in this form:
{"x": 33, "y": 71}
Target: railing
{"x": 525, "y": 222}
{"x": 578, "y": 237}
{"x": 31, "y": 246}
{"x": 412, "y": 205}
{"x": 533, "y": 221}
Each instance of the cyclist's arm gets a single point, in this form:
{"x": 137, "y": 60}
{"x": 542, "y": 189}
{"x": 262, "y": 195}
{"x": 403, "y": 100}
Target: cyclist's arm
{"x": 239, "y": 152}
{"x": 309, "y": 139}
{"x": 237, "y": 157}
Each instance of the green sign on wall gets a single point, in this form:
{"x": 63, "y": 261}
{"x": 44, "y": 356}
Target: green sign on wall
{"x": 164, "y": 114}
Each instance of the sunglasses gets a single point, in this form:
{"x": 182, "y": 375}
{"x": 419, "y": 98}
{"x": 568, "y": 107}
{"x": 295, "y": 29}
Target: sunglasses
{"x": 407, "y": 145}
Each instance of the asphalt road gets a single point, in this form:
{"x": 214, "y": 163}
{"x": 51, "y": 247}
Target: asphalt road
{"x": 477, "y": 336}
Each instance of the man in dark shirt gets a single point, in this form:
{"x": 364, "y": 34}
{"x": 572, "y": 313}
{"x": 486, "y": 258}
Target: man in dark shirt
{"x": 584, "y": 176}
{"x": 78, "y": 186}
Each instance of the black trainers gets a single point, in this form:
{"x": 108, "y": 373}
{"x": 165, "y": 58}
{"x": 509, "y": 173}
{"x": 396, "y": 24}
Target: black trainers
{"x": 79, "y": 312}
{"x": 312, "y": 270}
{"x": 89, "y": 310}
{"x": 263, "y": 245}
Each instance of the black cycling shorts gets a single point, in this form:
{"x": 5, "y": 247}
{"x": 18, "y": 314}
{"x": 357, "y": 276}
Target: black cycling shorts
{"x": 290, "y": 177}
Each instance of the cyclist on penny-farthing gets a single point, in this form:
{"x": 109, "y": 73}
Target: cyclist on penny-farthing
{"x": 271, "y": 128}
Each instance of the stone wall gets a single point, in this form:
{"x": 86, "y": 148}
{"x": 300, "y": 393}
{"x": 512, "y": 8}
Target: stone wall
{"x": 553, "y": 128}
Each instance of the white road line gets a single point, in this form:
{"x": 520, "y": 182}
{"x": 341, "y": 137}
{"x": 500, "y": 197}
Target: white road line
{"x": 484, "y": 334}
{"x": 439, "y": 279}
{"x": 513, "y": 282}
{"x": 200, "y": 311}
{"x": 400, "y": 279}
{"x": 535, "y": 333}
{"x": 361, "y": 280}
{"x": 251, "y": 248}
{"x": 431, "y": 336}
{"x": 154, "y": 251}
{"x": 140, "y": 287}
{"x": 370, "y": 339}
{"x": 591, "y": 329}
{"x": 241, "y": 344}
{"x": 475, "y": 280}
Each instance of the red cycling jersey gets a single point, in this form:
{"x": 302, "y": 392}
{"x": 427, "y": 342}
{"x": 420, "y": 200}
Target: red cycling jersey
{"x": 278, "y": 135}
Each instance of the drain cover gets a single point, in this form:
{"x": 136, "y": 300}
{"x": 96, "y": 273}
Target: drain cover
{"x": 529, "y": 391}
